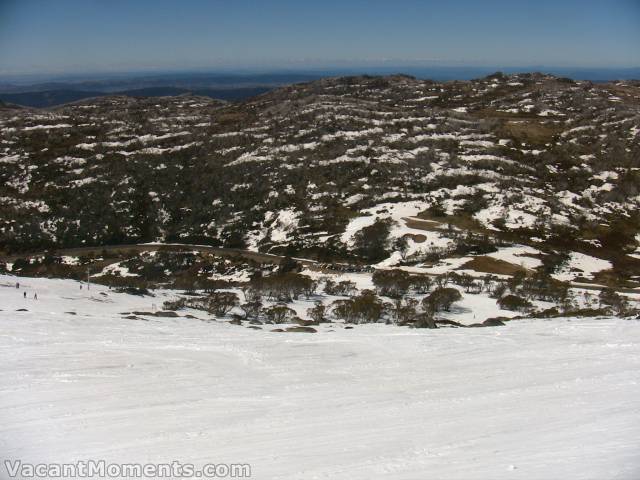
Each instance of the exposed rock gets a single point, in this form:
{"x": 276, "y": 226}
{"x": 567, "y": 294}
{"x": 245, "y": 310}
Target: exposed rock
{"x": 493, "y": 322}
{"x": 304, "y": 323}
{"x": 301, "y": 329}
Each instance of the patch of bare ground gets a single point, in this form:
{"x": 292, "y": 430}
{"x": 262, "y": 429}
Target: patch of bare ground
{"x": 420, "y": 224}
{"x": 492, "y": 265}
{"x": 630, "y": 93}
{"x": 416, "y": 238}
{"x": 427, "y": 221}
{"x": 534, "y": 132}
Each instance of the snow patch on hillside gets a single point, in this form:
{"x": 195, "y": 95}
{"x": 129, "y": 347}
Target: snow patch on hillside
{"x": 285, "y": 222}
{"x": 518, "y": 255}
{"x": 394, "y": 211}
{"x": 581, "y": 265}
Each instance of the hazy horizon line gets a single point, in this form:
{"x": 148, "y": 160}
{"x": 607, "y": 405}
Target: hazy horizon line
{"x": 299, "y": 69}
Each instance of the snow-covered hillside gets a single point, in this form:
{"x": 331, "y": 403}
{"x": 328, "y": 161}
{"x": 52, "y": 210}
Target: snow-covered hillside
{"x": 528, "y": 158}
{"x": 532, "y": 399}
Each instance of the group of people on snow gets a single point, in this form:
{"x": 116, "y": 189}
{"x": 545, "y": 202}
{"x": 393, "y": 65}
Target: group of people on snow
{"x": 35, "y": 295}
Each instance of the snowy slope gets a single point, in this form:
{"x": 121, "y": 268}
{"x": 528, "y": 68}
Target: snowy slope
{"x": 533, "y": 399}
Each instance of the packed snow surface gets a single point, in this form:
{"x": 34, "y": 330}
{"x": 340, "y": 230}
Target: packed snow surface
{"x": 518, "y": 255}
{"x": 533, "y": 399}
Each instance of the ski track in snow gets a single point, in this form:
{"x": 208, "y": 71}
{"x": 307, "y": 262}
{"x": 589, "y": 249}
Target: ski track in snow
{"x": 533, "y": 399}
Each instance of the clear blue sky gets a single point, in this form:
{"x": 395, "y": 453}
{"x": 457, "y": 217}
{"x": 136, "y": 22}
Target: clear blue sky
{"x": 67, "y": 36}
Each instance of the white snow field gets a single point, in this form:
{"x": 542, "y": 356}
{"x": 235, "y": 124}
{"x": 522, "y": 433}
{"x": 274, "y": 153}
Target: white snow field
{"x": 533, "y": 399}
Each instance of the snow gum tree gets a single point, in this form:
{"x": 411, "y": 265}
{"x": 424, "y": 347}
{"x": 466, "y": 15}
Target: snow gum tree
{"x": 441, "y": 299}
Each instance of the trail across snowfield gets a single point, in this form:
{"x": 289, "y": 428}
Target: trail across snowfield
{"x": 533, "y": 399}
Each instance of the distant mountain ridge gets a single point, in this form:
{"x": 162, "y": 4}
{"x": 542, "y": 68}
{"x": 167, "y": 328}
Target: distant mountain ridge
{"x": 52, "y": 98}
{"x": 238, "y": 86}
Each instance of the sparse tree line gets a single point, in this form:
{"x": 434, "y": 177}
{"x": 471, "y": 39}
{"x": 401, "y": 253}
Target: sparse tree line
{"x": 398, "y": 297}
{"x": 267, "y": 299}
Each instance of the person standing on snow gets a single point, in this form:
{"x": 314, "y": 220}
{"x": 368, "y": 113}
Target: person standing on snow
{"x": 35, "y": 296}
{"x": 25, "y": 295}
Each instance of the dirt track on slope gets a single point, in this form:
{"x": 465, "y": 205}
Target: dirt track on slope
{"x": 151, "y": 247}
